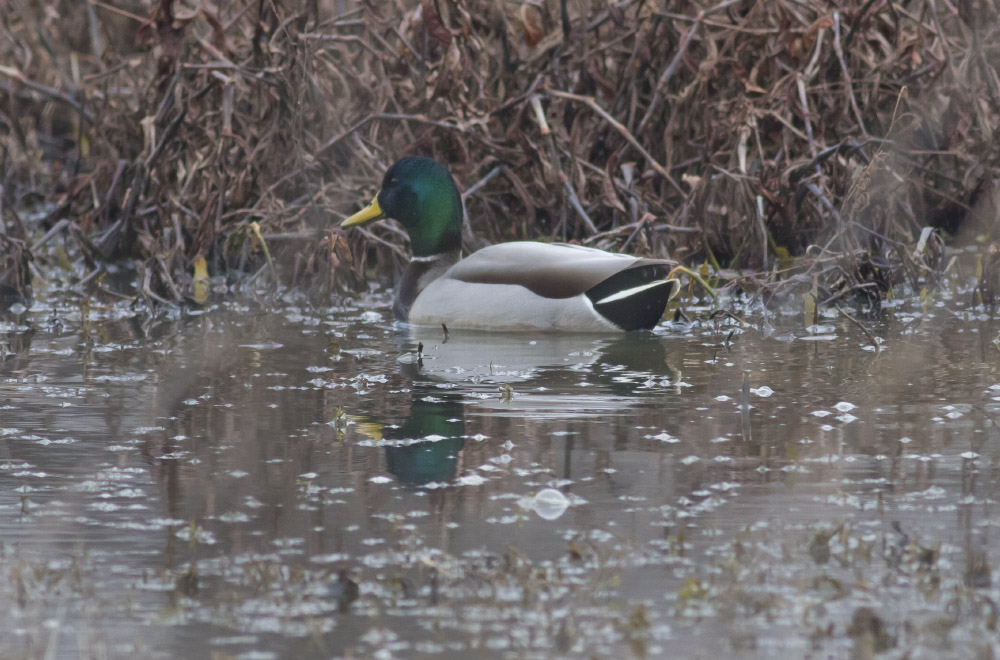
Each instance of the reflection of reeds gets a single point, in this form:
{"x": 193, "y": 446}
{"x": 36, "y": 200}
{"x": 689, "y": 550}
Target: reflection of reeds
{"x": 988, "y": 286}
{"x": 15, "y": 281}
{"x": 735, "y": 133}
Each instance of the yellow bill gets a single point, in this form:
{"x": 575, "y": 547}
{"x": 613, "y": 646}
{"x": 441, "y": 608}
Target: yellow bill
{"x": 370, "y": 213}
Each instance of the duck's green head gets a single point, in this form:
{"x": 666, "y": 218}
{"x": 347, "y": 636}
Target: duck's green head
{"x": 419, "y": 193}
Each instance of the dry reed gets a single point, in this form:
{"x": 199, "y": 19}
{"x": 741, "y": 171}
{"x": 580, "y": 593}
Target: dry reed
{"x": 799, "y": 141}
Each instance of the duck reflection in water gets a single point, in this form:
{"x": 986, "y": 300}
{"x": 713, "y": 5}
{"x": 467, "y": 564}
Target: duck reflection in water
{"x": 428, "y": 446}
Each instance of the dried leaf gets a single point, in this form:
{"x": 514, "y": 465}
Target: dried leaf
{"x": 433, "y": 23}
{"x": 531, "y": 19}
{"x": 610, "y": 195}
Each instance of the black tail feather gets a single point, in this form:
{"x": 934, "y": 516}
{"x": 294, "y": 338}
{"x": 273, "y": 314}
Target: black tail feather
{"x": 641, "y": 309}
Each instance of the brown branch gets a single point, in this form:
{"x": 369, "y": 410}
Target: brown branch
{"x": 624, "y": 132}
{"x": 871, "y": 337}
{"x": 46, "y": 91}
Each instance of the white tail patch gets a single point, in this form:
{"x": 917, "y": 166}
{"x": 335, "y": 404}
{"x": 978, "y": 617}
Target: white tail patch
{"x": 633, "y": 291}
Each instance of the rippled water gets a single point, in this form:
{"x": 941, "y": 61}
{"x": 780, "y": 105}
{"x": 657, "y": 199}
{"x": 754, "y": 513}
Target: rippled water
{"x": 318, "y": 483}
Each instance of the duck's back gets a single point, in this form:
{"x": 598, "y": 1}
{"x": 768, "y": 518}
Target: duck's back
{"x": 540, "y": 286}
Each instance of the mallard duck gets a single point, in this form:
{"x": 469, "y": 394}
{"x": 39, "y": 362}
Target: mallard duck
{"x": 523, "y": 285}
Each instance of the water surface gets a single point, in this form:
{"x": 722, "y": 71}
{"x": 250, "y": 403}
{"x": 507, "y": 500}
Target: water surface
{"x": 217, "y": 484}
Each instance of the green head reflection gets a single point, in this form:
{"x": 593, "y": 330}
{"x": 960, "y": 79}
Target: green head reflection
{"x": 439, "y": 423}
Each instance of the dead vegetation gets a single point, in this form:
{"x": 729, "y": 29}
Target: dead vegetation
{"x": 799, "y": 142}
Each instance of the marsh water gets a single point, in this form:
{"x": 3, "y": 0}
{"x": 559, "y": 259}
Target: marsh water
{"x": 285, "y": 481}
